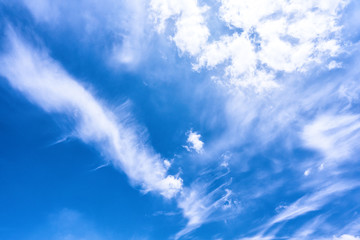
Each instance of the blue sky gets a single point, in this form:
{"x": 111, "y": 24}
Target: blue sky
{"x": 159, "y": 119}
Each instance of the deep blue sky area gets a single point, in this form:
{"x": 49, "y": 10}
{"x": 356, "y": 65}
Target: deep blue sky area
{"x": 160, "y": 119}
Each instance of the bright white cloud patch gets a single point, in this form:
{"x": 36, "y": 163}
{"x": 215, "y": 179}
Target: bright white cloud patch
{"x": 275, "y": 36}
{"x": 45, "y": 83}
{"x": 191, "y": 30}
{"x": 195, "y": 142}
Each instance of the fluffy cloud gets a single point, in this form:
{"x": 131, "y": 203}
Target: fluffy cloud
{"x": 45, "y": 83}
{"x": 276, "y": 36}
{"x": 191, "y": 30}
{"x": 195, "y": 142}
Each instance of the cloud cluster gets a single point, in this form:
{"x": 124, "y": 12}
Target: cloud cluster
{"x": 191, "y": 33}
{"x": 270, "y": 37}
{"x": 262, "y": 46}
{"x": 272, "y": 51}
{"x": 45, "y": 83}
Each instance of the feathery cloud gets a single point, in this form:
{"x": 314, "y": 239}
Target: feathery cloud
{"x": 43, "y": 81}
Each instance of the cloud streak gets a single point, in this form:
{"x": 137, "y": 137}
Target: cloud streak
{"x": 335, "y": 136}
{"x": 43, "y": 81}
{"x": 208, "y": 199}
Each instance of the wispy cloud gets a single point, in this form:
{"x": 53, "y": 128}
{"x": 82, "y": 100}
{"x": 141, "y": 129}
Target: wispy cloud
{"x": 68, "y": 224}
{"x": 118, "y": 26}
{"x": 335, "y": 136}
{"x": 312, "y": 202}
{"x": 269, "y": 60}
{"x": 43, "y": 81}
{"x": 309, "y": 228}
{"x": 346, "y": 237}
{"x": 205, "y": 201}
{"x": 304, "y": 205}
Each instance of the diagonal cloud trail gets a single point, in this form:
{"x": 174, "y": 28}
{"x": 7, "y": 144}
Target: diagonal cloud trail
{"x": 45, "y": 83}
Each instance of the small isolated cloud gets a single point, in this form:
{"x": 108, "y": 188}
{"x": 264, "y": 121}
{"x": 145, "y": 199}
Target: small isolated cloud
{"x": 334, "y": 65}
{"x": 307, "y": 172}
{"x": 194, "y": 142}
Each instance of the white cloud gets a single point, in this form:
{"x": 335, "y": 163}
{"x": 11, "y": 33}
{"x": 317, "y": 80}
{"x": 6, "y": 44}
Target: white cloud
{"x": 352, "y": 227}
{"x": 238, "y": 52}
{"x": 195, "y": 142}
{"x": 258, "y": 237}
{"x": 274, "y": 45}
{"x": 200, "y": 207}
{"x": 276, "y": 36}
{"x": 335, "y": 136}
{"x": 191, "y": 30}
{"x": 346, "y": 237}
{"x": 43, "y": 10}
{"x": 350, "y": 91}
{"x": 45, "y": 83}
{"x": 130, "y": 50}
{"x": 292, "y": 34}
{"x": 118, "y": 26}
{"x": 313, "y": 202}
{"x": 308, "y": 203}
{"x": 306, "y": 231}
{"x": 334, "y": 65}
